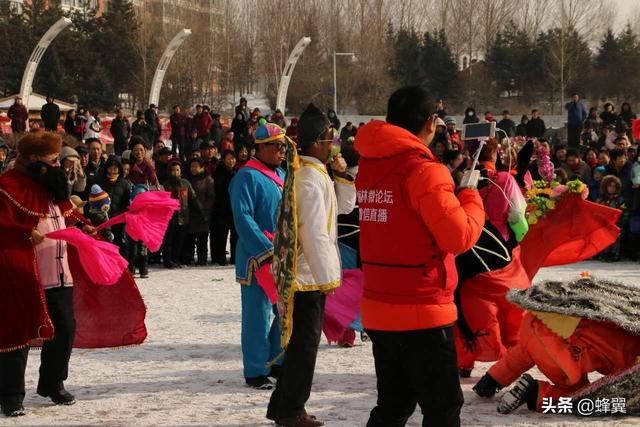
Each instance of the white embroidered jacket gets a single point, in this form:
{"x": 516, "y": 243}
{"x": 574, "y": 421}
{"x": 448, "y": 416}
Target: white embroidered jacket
{"x": 319, "y": 201}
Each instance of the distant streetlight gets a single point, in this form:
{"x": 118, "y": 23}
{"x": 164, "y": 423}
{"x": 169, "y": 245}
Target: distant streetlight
{"x": 335, "y": 86}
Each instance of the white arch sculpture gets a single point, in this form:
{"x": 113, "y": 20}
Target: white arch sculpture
{"x": 161, "y": 70}
{"x": 283, "y": 88}
{"x": 36, "y": 56}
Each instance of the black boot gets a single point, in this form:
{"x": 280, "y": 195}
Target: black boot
{"x": 259, "y": 383}
{"x": 13, "y": 410}
{"x": 59, "y": 397}
{"x": 525, "y": 391}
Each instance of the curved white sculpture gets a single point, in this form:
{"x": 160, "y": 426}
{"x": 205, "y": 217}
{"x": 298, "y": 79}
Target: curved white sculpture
{"x": 283, "y": 88}
{"x": 36, "y": 56}
{"x": 161, "y": 70}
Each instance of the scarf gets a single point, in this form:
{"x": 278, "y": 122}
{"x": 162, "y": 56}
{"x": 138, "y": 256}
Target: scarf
{"x": 285, "y": 246}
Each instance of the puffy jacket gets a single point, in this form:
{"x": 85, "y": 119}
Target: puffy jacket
{"x": 407, "y": 253}
{"x": 593, "y": 347}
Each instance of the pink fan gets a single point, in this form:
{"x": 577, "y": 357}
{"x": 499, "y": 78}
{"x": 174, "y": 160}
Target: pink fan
{"x": 148, "y": 218}
{"x": 101, "y": 260}
{"x": 343, "y": 305}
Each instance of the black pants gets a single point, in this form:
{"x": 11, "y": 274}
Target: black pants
{"x": 416, "y": 367}
{"x": 573, "y": 136}
{"x": 221, "y": 227}
{"x": 172, "y": 243}
{"x": 119, "y": 145}
{"x": 137, "y": 255}
{"x": 296, "y": 375}
{"x": 54, "y": 358}
{"x": 199, "y": 241}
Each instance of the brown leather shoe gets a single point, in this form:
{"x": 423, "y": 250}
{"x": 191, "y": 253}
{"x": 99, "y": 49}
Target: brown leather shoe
{"x": 304, "y": 420}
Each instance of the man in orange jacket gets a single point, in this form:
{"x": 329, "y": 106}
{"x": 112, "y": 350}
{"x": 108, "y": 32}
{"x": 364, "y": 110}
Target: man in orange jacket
{"x": 412, "y": 223}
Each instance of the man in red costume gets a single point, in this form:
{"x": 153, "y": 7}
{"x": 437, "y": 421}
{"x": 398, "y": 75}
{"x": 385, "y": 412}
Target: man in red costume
{"x": 36, "y": 290}
{"x": 412, "y": 222}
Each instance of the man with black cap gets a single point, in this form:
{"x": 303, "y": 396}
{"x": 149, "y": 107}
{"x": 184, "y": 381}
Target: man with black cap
{"x": 318, "y": 200}
{"x": 50, "y": 114}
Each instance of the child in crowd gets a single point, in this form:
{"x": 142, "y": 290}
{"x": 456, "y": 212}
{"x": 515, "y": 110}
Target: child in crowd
{"x": 199, "y": 219}
{"x": 594, "y": 183}
{"x": 173, "y": 239}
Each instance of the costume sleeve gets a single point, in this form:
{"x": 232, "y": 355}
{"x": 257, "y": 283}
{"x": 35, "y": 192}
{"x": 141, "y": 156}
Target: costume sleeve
{"x": 346, "y": 195}
{"x": 313, "y": 226}
{"x": 242, "y": 193}
{"x": 455, "y": 221}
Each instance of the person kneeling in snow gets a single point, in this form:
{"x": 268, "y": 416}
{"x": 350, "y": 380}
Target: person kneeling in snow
{"x": 570, "y": 330}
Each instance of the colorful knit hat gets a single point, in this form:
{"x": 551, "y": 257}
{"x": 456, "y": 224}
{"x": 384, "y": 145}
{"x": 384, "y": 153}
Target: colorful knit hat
{"x": 98, "y": 198}
{"x": 269, "y": 132}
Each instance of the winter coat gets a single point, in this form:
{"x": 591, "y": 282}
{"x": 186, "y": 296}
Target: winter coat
{"x": 202, "y": 122}
{"x": 335, "y": 121}
{"x": 92, "y": 128}
{"x": 521, "y": 129}
{"x": 536, "y": 128}
{"x": 239, "y": 128}
{"x": 144, "y": 173}
{"x": 222, "y": 179}
{"x": 120, "y": 129}
{"x": 18, "y": 115}
{"x": 345, "y": 133}
{"x": 628, "y": 117}
{"x": 182, "y": 191}
{"x": 594, "y": 189}
{"x": 216, "y": 132}
{"x": 583, "y": 172}
{"x": 142, "y": 129}
{"x": 152, "y": 119}
{"x": 119, "y": 191}
{"x": 178, "y": 126}
{"x": 593, "y": 347}
{"x": 576, "y": 113}
{"x": 200, "y": 219}
{"x": 50, "y": 115}
{"x": 507, "y": 125}
{"x": 70, "y": 126}
{"x": 608, "y": 118}
{"x": 625, "y": 177}
{"x": 420, "y": 220}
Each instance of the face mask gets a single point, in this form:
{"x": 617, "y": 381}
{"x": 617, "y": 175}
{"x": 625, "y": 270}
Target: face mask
{"x": 470, "y": 113}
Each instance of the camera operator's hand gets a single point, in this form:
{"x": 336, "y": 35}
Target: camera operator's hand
{"x": 483, "y": 181}
{"x": 77, "y": 168}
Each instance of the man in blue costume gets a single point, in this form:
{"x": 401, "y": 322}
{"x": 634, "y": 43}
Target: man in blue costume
{"x": 255, "y": 192}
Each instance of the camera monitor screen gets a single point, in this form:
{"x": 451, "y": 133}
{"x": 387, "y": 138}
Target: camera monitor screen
{"x": 478, "y": 130}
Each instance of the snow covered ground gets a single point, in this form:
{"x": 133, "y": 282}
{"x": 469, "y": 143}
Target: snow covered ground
{"x": 189, "y": 372}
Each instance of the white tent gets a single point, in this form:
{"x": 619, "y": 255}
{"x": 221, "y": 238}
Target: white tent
{"x": 36, "y": 101}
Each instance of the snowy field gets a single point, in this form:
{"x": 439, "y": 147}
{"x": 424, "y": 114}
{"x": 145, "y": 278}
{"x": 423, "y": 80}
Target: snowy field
{"x": 189, "y": 372}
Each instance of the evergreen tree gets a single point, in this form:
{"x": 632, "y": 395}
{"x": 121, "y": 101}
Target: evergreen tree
{"x": 406, "y": 67}
{"x": 439, "y": 71}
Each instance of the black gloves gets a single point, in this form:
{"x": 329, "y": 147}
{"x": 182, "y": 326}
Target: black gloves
{"x": 487, "y": 386}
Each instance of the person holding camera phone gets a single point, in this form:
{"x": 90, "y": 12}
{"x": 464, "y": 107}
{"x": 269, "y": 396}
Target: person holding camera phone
{"x": 413, "y": 221}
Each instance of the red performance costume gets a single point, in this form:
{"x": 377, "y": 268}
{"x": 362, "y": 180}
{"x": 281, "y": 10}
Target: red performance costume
{"x": 107, "y": 316}
{"x": 570, "y": 330}
{"x": 44, "y": 289}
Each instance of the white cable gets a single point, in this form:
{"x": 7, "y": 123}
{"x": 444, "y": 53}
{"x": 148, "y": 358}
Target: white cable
{"x": 501, "y": 190}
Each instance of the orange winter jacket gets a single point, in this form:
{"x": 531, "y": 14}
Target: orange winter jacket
{"x": 593, "y": 346}
{"x": 407, "y": 254}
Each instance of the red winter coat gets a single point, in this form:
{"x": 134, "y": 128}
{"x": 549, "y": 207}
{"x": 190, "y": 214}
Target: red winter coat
{"x": 18, "y": 115}
{"x": 411, "y": 224}
{"x": 203, "y": 123}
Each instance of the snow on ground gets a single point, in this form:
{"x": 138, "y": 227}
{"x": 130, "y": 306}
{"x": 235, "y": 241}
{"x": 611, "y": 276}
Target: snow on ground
{"x": 189, "y": 372}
